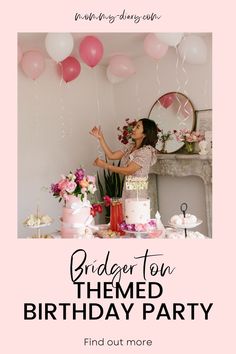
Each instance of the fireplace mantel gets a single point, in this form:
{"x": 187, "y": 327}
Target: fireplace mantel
{"x": 181, "y": 165}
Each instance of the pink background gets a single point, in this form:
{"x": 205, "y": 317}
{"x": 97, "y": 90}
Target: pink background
{"x": 38, "y": 270}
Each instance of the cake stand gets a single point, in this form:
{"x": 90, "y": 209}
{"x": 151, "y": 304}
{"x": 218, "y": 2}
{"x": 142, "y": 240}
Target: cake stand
{"x": 138, "y": 234}
{"x": 38, "y": 227}
{"x": 185, "y": 227}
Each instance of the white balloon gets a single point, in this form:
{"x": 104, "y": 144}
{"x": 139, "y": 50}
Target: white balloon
{"x": 112, "y": 78}
{"x": 172, "y": 39}
{"x": 193, "y": 50}
{"x": 59, "y": 45}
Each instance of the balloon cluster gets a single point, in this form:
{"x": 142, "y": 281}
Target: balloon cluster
{"x": 191, "y": 48}
{"x": 59, "y": 46}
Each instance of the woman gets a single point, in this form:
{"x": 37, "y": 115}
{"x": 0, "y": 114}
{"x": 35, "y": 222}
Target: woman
{"x": 137, "y": 157}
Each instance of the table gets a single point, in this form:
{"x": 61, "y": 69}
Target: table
{"x": 169, "y": 233}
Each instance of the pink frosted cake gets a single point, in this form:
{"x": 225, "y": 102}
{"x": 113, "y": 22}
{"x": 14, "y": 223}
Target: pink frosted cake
{"x": 137, "y": 211}
{"x": 74, "y": 189}
{"x": 76, "y": 215}
{"x": 137, "y": 218}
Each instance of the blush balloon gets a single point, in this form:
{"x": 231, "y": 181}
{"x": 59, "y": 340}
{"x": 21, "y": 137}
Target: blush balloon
{"x": 154, "y": 47}
{"x": 33, "y": 64}
{"x": 112, "y": 78}
{"x": 121, "y": 66}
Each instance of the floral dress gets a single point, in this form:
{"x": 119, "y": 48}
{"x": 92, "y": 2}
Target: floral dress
{"x": 145, "y": 157}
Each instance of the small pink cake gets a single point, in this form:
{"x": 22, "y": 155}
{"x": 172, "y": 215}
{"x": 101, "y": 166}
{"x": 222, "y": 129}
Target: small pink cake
{"x": 75, "y": 217}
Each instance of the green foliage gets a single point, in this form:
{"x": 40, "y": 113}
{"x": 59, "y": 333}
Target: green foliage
{"x": 112, "y": 185}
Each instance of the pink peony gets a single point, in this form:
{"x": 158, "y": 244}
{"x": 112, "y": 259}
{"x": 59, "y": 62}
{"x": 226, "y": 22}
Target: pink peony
{"x": 140, "y": 227}
{"x": 62, "y": 184}
{"x": 70, "y": 187}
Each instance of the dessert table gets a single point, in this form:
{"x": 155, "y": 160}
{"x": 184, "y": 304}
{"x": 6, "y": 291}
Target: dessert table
{"x": 168, "y": 233}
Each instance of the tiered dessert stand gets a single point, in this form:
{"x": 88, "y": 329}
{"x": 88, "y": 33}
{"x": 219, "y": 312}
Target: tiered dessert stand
{"x": 185, "y": 227}
{"x": 38, "y": 226}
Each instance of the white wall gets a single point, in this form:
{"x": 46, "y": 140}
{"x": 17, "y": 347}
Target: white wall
{"x": 54, "y": 120}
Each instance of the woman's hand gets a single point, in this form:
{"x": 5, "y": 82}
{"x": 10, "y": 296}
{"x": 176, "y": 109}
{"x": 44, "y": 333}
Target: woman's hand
{"x": 100, "y": 163}
{"x": 96, "y": 132}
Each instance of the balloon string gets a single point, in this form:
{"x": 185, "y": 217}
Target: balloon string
{"x": 36, "y": 108}
{"x": 137, "y": 98}
{"x": 62, "y": 109}
{"x": 181, "y": 105}
{"x": 178, "y": 84}
{"x": 186, "y": 78}
{"x": 61, "y": 68}
{"x": 158, "y": 85}
{"x": 100, "y": 154}
{"x": 185, "y": 85}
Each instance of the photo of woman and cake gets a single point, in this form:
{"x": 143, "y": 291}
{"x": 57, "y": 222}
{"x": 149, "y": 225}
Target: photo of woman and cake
{"x": 114, "y": 135}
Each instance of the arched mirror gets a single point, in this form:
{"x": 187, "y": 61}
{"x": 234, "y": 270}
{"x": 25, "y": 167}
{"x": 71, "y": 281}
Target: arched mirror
{"x": 172, "y": 111}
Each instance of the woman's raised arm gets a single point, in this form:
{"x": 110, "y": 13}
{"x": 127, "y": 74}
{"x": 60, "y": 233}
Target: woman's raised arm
{"x": 111, "y": 155}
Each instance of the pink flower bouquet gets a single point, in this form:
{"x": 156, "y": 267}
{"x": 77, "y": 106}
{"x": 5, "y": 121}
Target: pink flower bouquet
{"x": 78, "y": 184}
{"x": 189, "y": 136}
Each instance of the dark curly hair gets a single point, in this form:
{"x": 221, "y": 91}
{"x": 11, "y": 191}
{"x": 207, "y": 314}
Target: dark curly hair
{"x": 150, "y": 130}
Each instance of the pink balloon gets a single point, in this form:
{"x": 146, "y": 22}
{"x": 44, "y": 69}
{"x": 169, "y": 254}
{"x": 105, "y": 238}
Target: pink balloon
{"x": 19, "y": 54}
{"x": 121, "y": 66}
{"x": 166, "y": 100}
{"x": 112, "y": 78}
{"x": 33, "y": 64}
{"x": 154, "y": 47}
{"x": 69, "y": 68}
{"x": 91, "y": 50}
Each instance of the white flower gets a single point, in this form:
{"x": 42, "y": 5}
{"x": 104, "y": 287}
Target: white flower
{"x": 71, "y": 177}
{"x": 92, "y": 188}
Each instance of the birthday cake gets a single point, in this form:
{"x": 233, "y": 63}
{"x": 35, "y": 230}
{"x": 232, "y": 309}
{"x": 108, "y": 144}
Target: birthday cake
{"x": 137, "y": 205}
{"x": 137, "y": 208}
{"x": 76, "y": 217}
{"x": 137, "y": 211}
